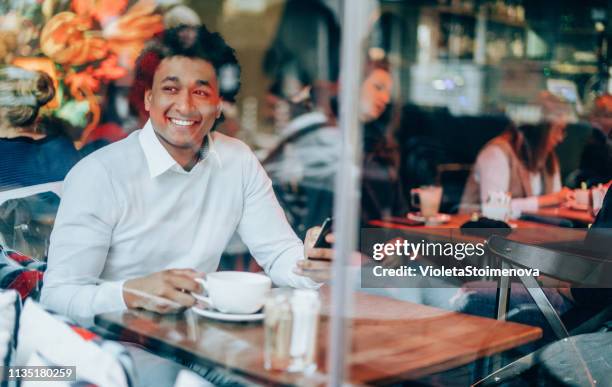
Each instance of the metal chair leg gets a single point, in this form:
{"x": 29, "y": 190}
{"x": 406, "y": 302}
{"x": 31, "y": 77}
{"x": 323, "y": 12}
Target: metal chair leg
{"x": 501, "y": 310}
{"x": 503, "y": 295}
{"x": 510, "y": 371}
{"x": 545, "y": 306}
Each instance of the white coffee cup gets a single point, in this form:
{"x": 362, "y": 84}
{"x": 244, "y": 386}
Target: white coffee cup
{"x": 582, "y": 197}
{"x": 429, "y": 200}
{"x": 236, "y": 292}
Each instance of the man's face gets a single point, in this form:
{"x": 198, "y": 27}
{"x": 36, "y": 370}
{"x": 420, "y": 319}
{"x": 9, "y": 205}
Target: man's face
{"x": 375, "y": 94}
{"x": 183, "y": 102}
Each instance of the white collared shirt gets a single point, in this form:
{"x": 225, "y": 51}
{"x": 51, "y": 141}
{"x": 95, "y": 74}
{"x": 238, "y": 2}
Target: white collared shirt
{"x": 129, "y": 210}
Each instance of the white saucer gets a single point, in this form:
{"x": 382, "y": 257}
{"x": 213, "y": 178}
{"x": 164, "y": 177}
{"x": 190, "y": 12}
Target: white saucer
{"x": 216, "y": 315}
{"x": 436, "y": 220}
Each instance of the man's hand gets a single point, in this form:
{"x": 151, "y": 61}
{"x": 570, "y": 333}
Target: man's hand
{"x": 565, "y": 195}
{"x": 317, "y": 270}
{"x": 162, "y": 292}
{"x": 321, "y": 253}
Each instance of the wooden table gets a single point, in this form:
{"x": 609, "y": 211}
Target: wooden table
{"x": 562, "y": 212}
{"x": 391, "y": 340}
{"x": 523, "y": 231}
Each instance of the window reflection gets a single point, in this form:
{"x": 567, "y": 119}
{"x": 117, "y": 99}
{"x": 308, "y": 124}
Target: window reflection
{"x": 491, "y": 115}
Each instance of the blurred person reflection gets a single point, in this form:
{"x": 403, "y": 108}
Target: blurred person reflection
{"x": 596, "y": 159}
{"x": 35, "y": 150}
{"x": 523, "y": 162}
{"x": 308, "y": 34}
{"x": 302, "y": 63}
{"x": 302, "y": 165}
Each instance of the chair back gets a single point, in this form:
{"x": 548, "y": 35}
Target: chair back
{"x": 26, "y": 217}
{"x": 578, "y": 263}
{"x": 18, "y": 193}
{"x": 580, "y": 269}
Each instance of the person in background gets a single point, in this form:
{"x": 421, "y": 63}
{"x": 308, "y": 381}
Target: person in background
{"x": 302, "y": 165}
{"x": 302, "y": 65}
{"x": 596, "y": 159}
{"x": 522, "y": 161}
{"x": 382, "y": 194}
{"x": 34, "y": 150}
{"x": 308, "y": 35}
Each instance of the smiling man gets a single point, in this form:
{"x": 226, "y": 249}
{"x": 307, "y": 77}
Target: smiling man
{"x": 142, "y": 218}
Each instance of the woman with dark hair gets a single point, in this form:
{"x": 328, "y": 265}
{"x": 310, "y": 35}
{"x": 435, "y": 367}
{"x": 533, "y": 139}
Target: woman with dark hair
{"x": 34, "y": 150}
{"x": 382, "y": 194}
{"x": 521, "y": 161}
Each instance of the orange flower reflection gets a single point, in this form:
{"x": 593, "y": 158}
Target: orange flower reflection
{"x": 66, "y": 40}
{"x": 109, "y": 69}
{"x": 127, "y": 35}
{"x": 83, "y": 86}
{"x": 99, "y": 9}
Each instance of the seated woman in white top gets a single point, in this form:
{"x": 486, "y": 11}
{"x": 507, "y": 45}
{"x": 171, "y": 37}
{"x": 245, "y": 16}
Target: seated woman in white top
{"x": 522, "y": 162}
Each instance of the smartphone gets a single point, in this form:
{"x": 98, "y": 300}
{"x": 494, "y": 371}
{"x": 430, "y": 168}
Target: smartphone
{"x": 326, "y": 228}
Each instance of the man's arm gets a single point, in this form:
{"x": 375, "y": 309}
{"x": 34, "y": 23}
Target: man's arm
{"x": 79, "y": 245}
{"x": 265, "y": 230}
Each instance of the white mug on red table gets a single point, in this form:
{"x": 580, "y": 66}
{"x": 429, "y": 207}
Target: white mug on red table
{"x": 430, "y": 197}
{"x": 234, "y": 291}
{"x": 581, "y": 196}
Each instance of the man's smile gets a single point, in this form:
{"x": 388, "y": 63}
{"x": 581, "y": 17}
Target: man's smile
{"x": 182, "y": 122}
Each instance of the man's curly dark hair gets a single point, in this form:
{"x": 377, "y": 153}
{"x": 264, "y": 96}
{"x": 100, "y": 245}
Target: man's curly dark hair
{"x": 191, "y": 42}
